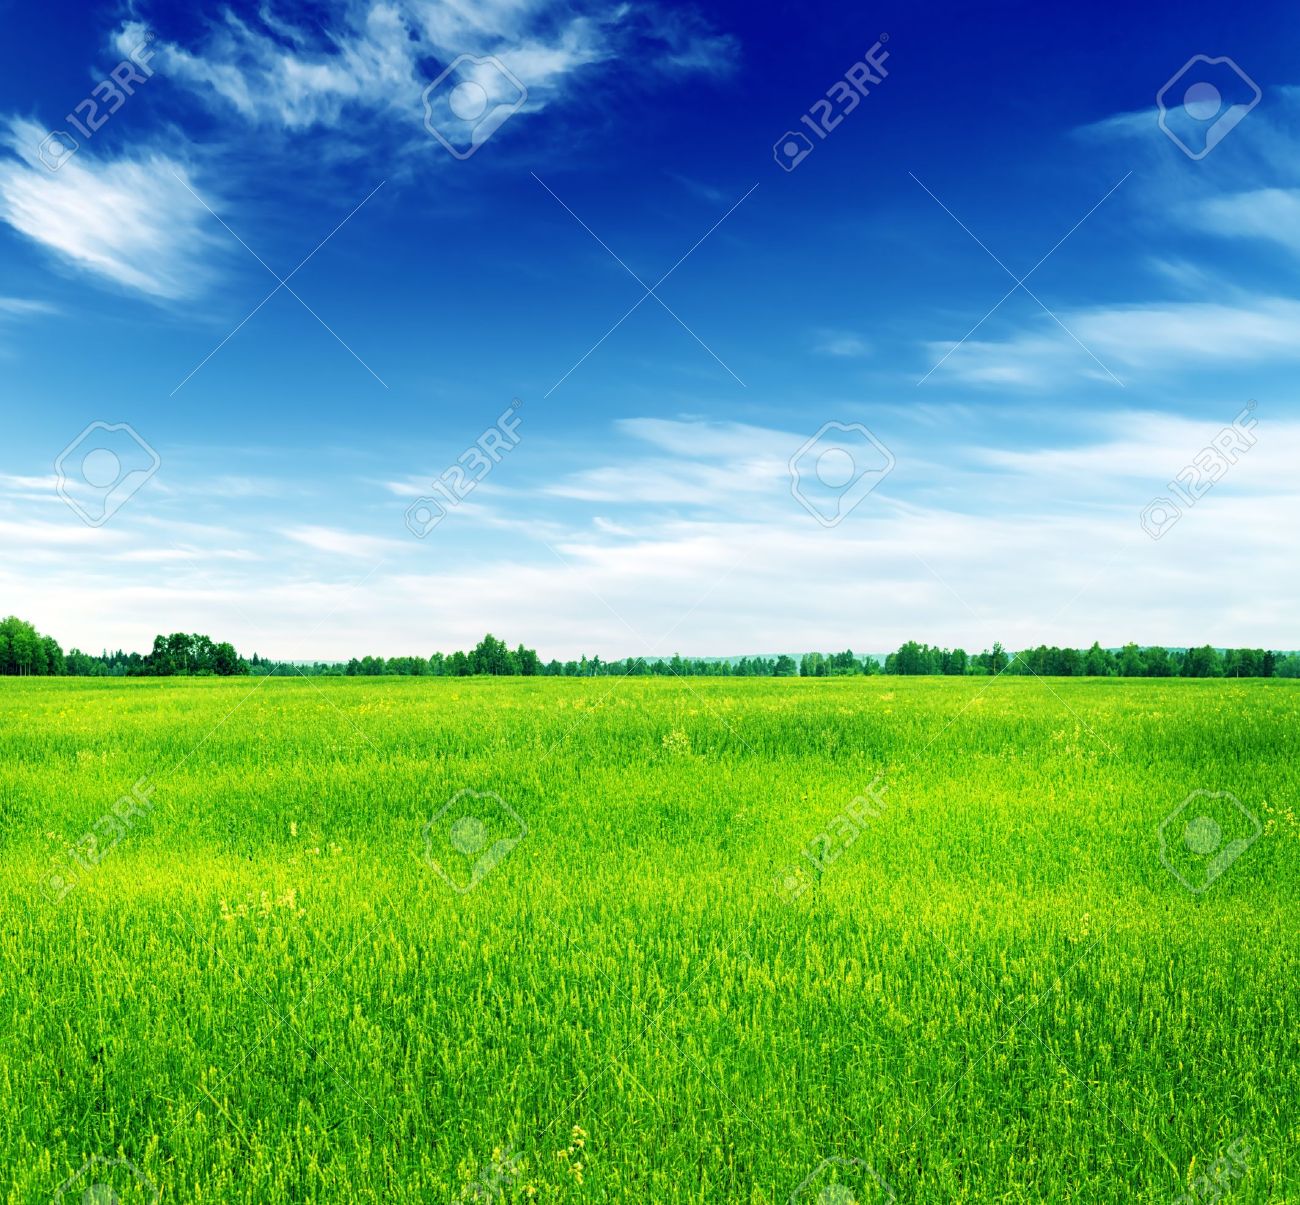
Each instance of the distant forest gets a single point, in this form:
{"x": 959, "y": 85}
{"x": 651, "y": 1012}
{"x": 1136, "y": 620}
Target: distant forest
{"x": 25, "y": 652}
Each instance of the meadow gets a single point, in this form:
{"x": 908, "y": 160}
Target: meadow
{"x": 852, "y": 939}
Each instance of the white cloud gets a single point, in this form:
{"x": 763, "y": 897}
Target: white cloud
{"x": 1130, "y": 339}
{"x": 689, "y": 44}
{"x": 1038, "y": 543}
{"x": 15, "y": 481}
{"x": 702, "y": 463}
{"x": 1269, "y": 214}
{"x": 21, "y": 307}
{"x": 164, "y": 556}
{"x": 1150, "y": 448}
{"x": 344, "y": 543}
{"x": 1185, "y": 275}
{"x": 842, "y": 344}
{"x": 252, "y": 70}
{"x": 130, "y": 219}
{"x": 376, "y": 58}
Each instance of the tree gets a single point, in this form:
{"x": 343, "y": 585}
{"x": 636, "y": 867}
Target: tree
{"x": 914, "y": 658}
{"x": 1131, "y": 662}
{"x": 1203, "y": 662}
{"x": 1098, "y": 662}
{"x": 1158, "y": 662}
{"x": 23, "y": 650}
{"x": 82, "y": 665}
{"x": 1247, "y": 663}
{"x": 991, "y": 661}
{"x": 955, "y": 662}
{"x": 844, "y": 663}
{"x": 227, "y": 662}
{"x": 813, "y": 665}
{"x": 1288, "y": 666}
{"x": 527, "y": 661}
{"x": 490, "y": 656}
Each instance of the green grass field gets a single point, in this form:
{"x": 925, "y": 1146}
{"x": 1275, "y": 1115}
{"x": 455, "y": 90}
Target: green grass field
{"x": 714, "y": 940}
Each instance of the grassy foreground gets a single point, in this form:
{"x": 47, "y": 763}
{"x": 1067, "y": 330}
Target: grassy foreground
{"x": 708, "y": 940}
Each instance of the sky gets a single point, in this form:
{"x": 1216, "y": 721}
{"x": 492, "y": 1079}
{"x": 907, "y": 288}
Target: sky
{"x": 366, "y": 327}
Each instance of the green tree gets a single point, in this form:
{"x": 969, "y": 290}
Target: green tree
{"x": 1098, "y": 662}
{"x": 227, "y": 662}
{"x": 1131, "y": 662}
{"x": 1203, "y": 662}
{"x": 1158, "y": 662}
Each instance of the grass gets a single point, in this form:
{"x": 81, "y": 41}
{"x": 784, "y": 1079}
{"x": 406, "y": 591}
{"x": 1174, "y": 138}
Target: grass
{"x": 703, "y": 973}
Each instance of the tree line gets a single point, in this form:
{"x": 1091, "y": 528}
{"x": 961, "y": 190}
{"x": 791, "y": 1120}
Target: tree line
{"x": 24, "y": 651}
{"x": 1131, "y": 661}
{"x": 493, "y": 656}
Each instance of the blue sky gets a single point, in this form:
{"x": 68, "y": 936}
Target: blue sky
{"x": 1018, "y": 431}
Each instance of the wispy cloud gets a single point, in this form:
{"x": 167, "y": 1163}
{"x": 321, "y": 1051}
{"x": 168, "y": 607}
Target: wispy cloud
{"x": 689, "y": 516}
{"x": 689, "y": 43}
{"x": 342, "y": 543}
{"x": 21, "y": 307}
{"x": 373, "y": 60}
{"x": 841, "y": 344}
{"x": 129, "y": 220}
{"x": 1140, "y": 338}
{"x": 290, "y": 76}
{"x": 1268, "y": 214}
